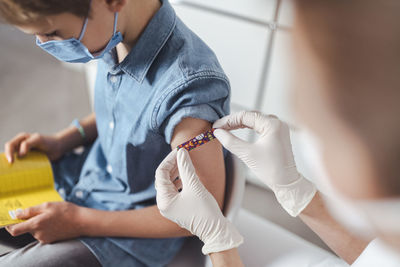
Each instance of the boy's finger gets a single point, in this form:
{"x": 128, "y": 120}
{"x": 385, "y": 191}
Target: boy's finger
{"x": 28, "y": 212}
{"x": 20, "y": 228}
{"x": 9, "y": 152}
{"x": 26, "y": 145}
{"x": 12, "y": 146}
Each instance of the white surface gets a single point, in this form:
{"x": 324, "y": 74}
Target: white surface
{"x": 377, "y": 254}
{"x": 263, "y": 203}
{"x": 263, "y": 10}
{"x": 267, "y": 244}
{"x": 239, "y": 46}
{"x": 278, "y": 85}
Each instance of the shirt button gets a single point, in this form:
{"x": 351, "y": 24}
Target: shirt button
{"x": 111, "y": 125}
{"x": 109, "y": 168}
{"x": 113, "y": 79}
{"x": 79, "y": 194}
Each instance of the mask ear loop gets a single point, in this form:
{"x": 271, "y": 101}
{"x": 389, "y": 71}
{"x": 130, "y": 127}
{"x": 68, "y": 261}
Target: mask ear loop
{"x": 115, "y": 22}
{"x": 85, "y": 23}
{"x": 83, "y": 29}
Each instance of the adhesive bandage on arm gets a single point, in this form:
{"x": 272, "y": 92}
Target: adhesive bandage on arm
{"x": 199, "y": 140}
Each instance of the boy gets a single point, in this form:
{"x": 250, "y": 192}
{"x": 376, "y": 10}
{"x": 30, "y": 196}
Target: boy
{"x": 157, "y": 85}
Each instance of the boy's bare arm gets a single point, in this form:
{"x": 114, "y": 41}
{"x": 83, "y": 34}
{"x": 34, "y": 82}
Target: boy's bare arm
{"x": 63, "y": 220}
{"x": 55, "y": 146}
{"x": 208, "y": 159}
{"x": 71, "y": 137}
{"x": 148, "y": 222}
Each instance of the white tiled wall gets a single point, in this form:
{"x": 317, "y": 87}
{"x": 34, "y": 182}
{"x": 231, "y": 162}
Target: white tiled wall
{"x": 262, "y": 10}
{"x": 286, "y": 13}
{"x": 252, "y": 41}
{"x": 240, "y": 47}
{"x": 278, "y": 83}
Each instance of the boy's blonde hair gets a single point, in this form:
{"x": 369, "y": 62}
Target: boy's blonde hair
{"x": 22, "y": 12}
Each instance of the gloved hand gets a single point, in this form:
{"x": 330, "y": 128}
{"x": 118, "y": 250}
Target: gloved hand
{"x": 194, "y": 208}
{"x": 270, "y": 157}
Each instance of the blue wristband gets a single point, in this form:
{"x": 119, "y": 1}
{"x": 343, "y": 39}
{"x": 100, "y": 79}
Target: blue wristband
{"x": 79, "y": 127}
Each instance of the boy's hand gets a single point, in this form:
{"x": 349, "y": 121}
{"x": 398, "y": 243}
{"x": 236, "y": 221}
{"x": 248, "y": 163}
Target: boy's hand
{"x": 24, "y": 142}
{"x": 49, "y": 222}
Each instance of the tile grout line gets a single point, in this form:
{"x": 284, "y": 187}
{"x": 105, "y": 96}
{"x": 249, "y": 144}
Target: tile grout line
{"x": 266, "y": 66}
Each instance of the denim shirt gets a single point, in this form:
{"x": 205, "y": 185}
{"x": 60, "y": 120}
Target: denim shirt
{"x": 169, "y": 75}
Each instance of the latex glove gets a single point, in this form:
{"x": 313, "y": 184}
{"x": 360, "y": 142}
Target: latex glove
{"x": 270, "y": 157}
{"x": 194, "y": 208}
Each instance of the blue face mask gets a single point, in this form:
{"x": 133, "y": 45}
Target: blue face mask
{"x": 73, "y": 51}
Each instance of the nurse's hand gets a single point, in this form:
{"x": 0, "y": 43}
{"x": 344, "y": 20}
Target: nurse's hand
{"x": 24, "y": 142}
{"x": 270, "y": 157}
{"x": 194, "y": 208}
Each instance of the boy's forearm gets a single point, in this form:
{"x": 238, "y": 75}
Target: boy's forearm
{"x": 341, "y": 241}
{"x": 148, "y": 222}
{"x": 70, "y": 137}
{"x": 142, "y": 223}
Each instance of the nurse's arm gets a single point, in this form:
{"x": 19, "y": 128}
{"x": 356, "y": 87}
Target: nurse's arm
{"x": 342, "y": 242}
{"x": 148, "y": 222}
{"x": 229, "y": 257}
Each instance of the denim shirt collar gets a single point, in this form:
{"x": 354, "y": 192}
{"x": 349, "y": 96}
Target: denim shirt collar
{"x": 152, "y": 40}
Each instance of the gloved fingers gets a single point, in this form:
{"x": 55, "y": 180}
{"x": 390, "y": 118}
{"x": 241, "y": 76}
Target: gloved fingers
{"x": 187, "y": 171}
{"x": 246, "y": 119}
{"x": 165, "y": 173}
{"x": 234, "y": 144}
{"x": 169, "y": 165}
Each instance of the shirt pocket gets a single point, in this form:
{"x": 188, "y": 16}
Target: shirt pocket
{"x": 142, "y": 161}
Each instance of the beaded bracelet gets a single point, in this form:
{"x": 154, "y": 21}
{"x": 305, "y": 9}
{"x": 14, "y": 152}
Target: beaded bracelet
{"x": 79, "y": 127}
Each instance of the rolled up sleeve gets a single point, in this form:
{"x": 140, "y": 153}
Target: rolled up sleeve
{"x": 204, "y": 96}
